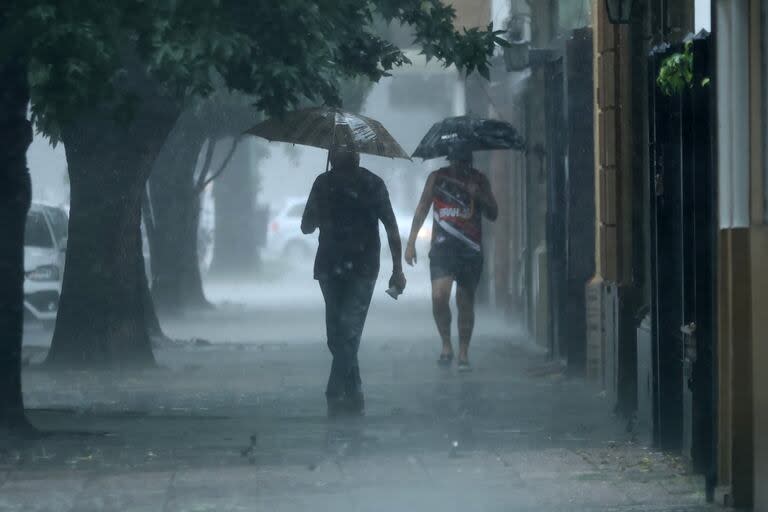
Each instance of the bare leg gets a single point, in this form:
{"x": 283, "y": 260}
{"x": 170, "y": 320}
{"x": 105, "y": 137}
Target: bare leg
{"x": 465, "y": 302}
{"x": 441, "y": 309}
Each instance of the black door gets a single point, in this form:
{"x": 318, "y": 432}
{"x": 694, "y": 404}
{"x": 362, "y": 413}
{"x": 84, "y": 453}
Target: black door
{"x": 666, "y": 259}
{"x": 700, "y": 307}
{"x": 684, "y": 232}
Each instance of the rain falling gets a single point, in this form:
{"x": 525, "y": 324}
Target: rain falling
{"x": 392, "y": 255}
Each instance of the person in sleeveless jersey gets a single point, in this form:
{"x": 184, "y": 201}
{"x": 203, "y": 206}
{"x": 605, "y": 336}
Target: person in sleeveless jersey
{"x": 460, "y": 196}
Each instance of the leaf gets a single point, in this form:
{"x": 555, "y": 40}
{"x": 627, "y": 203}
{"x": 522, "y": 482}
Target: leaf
{"x": 676, "y": 71}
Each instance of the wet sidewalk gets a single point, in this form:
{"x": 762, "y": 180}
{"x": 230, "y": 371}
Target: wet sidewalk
{"x": 242, "y": 427}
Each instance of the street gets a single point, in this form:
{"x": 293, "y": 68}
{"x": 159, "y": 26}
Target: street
{"x": 237, "y": 422}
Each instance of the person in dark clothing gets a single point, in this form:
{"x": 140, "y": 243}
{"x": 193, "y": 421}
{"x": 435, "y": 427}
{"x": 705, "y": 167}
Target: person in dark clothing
{"x": 460, "y": 196}
{"x": 346, "y": 205}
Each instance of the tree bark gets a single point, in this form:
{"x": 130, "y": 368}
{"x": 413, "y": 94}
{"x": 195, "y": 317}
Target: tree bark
{"x": 177, "y": 284}
{"x": 15, "y": 199}
{"x": 102, "y": 319}
{"x": 156, "y": 333}
{"x": 154, "y": 329}
{"x": 176, "y": 196}
{"x": 235, "y": 252}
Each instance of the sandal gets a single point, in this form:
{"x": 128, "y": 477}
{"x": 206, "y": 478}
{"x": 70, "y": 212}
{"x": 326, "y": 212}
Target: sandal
{"x": 445, "y": 360}
{"x": 464, "y": 366}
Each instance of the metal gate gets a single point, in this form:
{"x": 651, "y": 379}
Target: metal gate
{"x": 555, "y": 234}
{"x": 570, "y": 197}
{"x": 683, "y": 245}
{"x": 579, "y": 196}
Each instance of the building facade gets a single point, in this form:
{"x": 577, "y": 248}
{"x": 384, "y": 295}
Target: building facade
{"x": 681, "y": 238}
{"x": 740, "y": 30}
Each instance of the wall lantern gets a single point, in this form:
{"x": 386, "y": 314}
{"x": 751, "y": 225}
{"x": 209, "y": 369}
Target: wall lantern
{"x": 619, "y": 11}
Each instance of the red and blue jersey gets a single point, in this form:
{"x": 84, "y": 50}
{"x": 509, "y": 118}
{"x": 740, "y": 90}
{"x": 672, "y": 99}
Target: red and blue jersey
{"x": 457, "y": 217}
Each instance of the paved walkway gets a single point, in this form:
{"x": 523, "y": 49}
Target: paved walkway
{"x": 240, "y": 426}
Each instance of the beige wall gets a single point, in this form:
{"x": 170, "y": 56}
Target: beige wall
{"x": 613, "y": 159}
{"x": 724, "y": 360}
{"x": 759, "y": 251}
{"x": 743, "y": 269}
{"x": 735, "y": 354}
{"x": 613, "y": 193}
{"x": 471, "y": 13}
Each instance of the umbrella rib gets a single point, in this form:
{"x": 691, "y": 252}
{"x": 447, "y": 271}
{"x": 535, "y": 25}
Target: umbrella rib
{"x": 312, "y": 127}
{"x": 305, "y": 128}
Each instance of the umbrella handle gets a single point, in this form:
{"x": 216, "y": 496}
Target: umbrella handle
{"x": 330, "y": 146}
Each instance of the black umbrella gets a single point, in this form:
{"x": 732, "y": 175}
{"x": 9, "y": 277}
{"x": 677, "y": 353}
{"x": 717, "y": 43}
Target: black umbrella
{"x": 468, "y": 133}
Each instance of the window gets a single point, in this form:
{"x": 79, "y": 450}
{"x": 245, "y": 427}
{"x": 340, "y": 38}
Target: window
{"x": 37, "y": 233}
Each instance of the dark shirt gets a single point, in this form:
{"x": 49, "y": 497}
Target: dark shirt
{"x": 347, "y": 206}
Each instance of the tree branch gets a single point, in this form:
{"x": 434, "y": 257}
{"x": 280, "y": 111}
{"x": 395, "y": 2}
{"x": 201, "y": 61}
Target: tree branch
{"x": 200, "y": 181}
{"x": 148, "y": 213}
{"x": 223, "y": 166}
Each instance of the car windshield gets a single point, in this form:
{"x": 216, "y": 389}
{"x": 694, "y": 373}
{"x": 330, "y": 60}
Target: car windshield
{"x": 37, "y": 233}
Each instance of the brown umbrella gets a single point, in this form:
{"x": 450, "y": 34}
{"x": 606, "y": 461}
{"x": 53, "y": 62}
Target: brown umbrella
{"x": 325, "y": 127}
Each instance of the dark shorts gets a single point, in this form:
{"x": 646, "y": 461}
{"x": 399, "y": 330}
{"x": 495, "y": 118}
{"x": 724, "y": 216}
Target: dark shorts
{"x": 464, "y": 266}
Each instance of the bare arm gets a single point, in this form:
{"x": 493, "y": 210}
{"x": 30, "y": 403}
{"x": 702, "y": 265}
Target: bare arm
{"x": 393, "y": 236}
{"x": 387, "y": 217}
{"x": 422, "y": 210}
{"x": 488, "y": 200}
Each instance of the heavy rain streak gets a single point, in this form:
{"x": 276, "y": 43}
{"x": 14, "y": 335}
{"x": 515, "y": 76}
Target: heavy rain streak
{"x": 383, "y": 255}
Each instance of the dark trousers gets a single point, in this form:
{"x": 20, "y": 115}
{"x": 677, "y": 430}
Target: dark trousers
{"x": 346, "y": 307}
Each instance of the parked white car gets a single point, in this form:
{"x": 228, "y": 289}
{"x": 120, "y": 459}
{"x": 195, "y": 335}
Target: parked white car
{"x": 45, "y": 243}
{"x": 286, "y": 242}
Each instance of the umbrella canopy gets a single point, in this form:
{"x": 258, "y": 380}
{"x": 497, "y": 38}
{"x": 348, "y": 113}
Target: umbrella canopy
{"x": 324, "y": 127}
{"x": 469, "y": 134}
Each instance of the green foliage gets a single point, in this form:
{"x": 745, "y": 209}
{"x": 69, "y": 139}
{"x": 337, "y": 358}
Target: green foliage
{"x": 676, "y": 72}
{"x": 85, "y": 54}
{"x": 71, "y": 59}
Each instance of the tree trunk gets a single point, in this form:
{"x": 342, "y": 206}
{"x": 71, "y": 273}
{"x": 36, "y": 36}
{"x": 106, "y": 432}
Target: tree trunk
{"x": 235, "y": 252}
{"x": 150, "y": 313}
{"x": 177, "y": 285}
{"x": 102, "y": 319}
{"x": 15, "y": 198}
{"x": 154, "y": 329}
